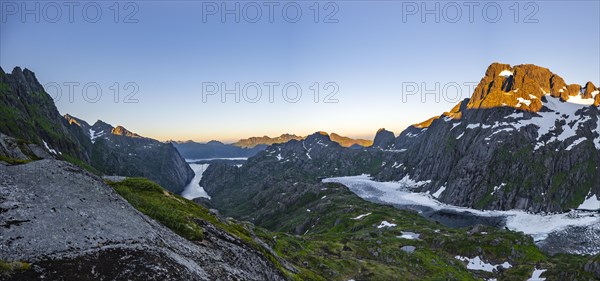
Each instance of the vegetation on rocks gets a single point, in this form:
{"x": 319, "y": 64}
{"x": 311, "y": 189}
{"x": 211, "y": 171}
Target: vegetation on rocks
{"x": 339, "y": 244}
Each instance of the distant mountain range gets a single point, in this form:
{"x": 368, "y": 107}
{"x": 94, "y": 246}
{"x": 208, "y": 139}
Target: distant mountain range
{"x": 251, "y": 146}
{"x": 29, "y": 115}
{"x": 265, "y": 140}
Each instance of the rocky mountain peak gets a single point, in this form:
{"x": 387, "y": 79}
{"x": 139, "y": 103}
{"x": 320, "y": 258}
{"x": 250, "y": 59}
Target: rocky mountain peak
{"x": 121, "y": 131}
{"x": 319, "y": 136}
{"x": 101, "y": 123}
{"x": 72, "y": 120}
{"x": 215, "y": 142}
{"x": 27, "y": 80}
{"x": 589, "y": 91}
{"x": 496, "y": 68}
{"x": 383, "y": 138}
{"x": 349, "y": 142}
{"x": 522, "y": 87}
{"x": 101, "y": 126}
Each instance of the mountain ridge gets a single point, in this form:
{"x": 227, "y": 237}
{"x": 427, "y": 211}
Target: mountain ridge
{"x": 251, "y": 146}
{"x": 29, "y": 114}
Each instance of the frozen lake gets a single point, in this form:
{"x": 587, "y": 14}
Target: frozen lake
{"x": 573, "y": 232}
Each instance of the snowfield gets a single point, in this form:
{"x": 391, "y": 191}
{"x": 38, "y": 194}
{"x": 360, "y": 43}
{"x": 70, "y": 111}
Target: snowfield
{"x": 539, "y": 226}
{"x": 546, "y": 121}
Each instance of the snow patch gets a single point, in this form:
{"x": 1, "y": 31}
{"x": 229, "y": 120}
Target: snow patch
{"x": 496, "y": 188}
{"x": 439, "y": 192}
{"x": 361, "y": 216}
{"x": 477, "y": 264}
{"x": 576, "y": 142}
{"x": 460, "y": 136}
{"x": 395, "y": 150}
{"x": 506, "y": 73}
{"x": 409, "y": 235}
{"x": 49, "y": 149}
{"x": 307, "y": 151}
{"x": 545, "y": 121}
{"x": 523, "y": 101}
{"x": 386, "y": 224}
{"x": 515, "y": 115}
{"x": 578, "y": 99}
{"x": 590, "y": 203}
{"x": 95, "y": 135}
{"x": 455, "y": 125}
{"x": 536, "y": 275}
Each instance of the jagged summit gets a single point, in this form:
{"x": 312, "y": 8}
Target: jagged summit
{"x": 320, "y": 135}
{"x": 72, "y": 120}
{"x": 523, "y": 87}
{"x": 383, "y": 138}
{"x": 350, "y": 142}
{"x": 121, "y": 131}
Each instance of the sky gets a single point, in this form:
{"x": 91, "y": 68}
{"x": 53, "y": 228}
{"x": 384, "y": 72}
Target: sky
{"x": 164, "y": 67}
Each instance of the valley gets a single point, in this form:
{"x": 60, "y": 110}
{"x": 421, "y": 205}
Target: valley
{"x": 300, "y": 141}
{"x": 500, "y": 191}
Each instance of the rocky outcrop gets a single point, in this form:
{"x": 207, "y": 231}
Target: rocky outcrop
{"x": 69, "y": 225}
{"x": 520, "y": 87}
{"x": 383, "y": 138}
{"x": 590, "y": 91}
{"x": 593, "y": 266}
{"x": 12, "y": 150}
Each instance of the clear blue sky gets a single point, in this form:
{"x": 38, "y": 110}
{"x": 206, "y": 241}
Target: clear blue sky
{"x": 170, "y": 52}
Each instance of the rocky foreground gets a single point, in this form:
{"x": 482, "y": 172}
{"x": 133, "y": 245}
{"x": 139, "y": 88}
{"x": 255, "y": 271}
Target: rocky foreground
{"x": 67, "y": 224}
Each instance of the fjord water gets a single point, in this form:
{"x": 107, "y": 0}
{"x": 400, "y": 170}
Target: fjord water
{"x": 193, "y": 189}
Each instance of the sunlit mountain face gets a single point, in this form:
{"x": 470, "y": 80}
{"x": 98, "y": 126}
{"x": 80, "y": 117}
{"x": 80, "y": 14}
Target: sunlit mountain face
{"x": 342, "y": 140}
